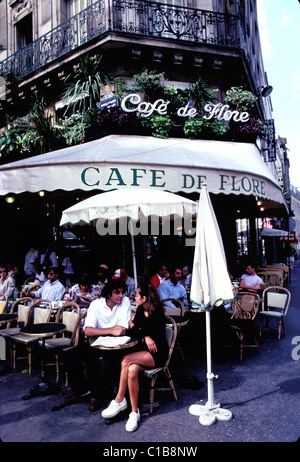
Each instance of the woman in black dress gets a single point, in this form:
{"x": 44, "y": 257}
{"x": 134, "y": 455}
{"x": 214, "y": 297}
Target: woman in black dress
{"x": 148, "y": 325}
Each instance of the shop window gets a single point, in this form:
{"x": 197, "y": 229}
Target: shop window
{"x": 24, "y": 33}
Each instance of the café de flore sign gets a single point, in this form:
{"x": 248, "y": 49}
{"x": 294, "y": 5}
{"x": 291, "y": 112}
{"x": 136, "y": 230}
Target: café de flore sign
{"x": 219, "y": 111}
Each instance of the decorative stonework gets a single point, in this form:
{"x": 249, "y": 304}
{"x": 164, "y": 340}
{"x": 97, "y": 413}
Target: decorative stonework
{"x": 20, "y": 9}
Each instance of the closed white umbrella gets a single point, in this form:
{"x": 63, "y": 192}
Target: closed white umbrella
{"x": 211, "y": 286}
{"x": 133, "y": 203}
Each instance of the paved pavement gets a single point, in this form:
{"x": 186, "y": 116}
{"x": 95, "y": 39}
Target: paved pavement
{"x": 262, "y": 391}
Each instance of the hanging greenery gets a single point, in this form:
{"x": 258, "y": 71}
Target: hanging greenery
{"x": 85, "y": 84}
{"x": 240, "y": 100}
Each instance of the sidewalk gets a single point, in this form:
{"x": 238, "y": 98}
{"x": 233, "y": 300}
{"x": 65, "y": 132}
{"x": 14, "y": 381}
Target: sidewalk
{"x": 262, "y": 392}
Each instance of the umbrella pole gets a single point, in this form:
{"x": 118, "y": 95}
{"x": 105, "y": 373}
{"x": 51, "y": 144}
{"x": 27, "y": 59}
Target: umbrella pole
{"x": 210, "y": 376}
{"x": 133, "y": 254}
{"x": 210, "y": 412}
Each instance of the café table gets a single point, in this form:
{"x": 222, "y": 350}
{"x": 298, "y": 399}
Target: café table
{"x": 8, "y": 317}
{"x": 123, "y": 346}
{"x": 42, "y": 331}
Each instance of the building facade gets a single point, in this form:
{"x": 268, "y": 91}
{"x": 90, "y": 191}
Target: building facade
{"x": 211, "y": 41}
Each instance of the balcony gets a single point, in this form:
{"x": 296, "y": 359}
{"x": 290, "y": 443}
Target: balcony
{"x": 130, "y": 18}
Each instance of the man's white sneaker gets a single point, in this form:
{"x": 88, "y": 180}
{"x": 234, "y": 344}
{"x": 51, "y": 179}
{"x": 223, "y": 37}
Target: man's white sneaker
{"x": 132, "y": 422}
{"x": 114, "y": 408}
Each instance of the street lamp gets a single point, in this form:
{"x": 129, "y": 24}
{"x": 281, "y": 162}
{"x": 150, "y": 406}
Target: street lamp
{"x": 10, "y": 199}
{"x": 266, "y": 91}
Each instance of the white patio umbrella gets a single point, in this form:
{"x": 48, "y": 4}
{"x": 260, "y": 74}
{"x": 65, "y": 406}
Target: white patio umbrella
{"x": 133, "y": 203}
{"x": 211, "y": 286}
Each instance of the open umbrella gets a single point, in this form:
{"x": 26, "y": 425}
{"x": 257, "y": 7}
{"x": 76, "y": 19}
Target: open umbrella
{"x": 129, "y": 203}
{"x": 211, "y": 286}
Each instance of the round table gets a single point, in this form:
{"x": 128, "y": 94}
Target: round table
{"x": 45, "y": 329}
{"x": 131, "y": 343}
{"x": 7, "y": 317}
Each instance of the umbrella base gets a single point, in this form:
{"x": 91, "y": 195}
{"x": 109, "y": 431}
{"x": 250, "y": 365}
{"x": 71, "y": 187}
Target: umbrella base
{"x": 209, "y": 416}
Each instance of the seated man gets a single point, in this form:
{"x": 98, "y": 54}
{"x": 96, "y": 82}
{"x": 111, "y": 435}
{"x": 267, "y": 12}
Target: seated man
{"x": 106, "y": 316}
{"x": 250, "y": 281}
{"x": 159, "y": 277}
{"x": 52, "y": 290}
{"x": 186, "y": 279}
{"x": 171, "y": 288}
{"x": 121, "y": 274}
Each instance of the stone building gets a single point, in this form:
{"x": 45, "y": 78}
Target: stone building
{"x": 215, "y": 42}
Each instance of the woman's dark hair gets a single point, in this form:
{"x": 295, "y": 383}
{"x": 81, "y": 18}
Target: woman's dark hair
{"x": 148, "y": 291}
{"x": 84, "y": 281}
{"x": 113, "y": 284}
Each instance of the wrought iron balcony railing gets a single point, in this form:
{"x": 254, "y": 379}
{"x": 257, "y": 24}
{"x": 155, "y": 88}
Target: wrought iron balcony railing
{"x": 134, "y": 17}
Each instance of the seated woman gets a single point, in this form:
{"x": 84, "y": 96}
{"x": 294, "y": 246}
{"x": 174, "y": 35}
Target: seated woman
{"x": 81, "y": 293}
{"x": 148, "y": 325}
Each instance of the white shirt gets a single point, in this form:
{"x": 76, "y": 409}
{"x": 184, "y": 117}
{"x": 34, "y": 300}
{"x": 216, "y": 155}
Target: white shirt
{"x": 251, "y": 280}
{"x": 29, "y": 268}
{"x": 68, "y": 267}
{"x": 53, "y": 291}
{"x": 7, "y": 286}
{"x": 99, "y": 315}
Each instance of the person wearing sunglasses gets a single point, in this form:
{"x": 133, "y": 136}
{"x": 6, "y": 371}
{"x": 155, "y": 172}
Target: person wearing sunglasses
{"x": 52, "y": 290}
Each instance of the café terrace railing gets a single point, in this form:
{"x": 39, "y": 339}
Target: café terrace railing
{"x": 134, "y": 17}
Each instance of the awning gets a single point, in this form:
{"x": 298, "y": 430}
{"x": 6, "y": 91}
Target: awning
{"x": 170, "y": 164}
{"x": 265, "y": 232}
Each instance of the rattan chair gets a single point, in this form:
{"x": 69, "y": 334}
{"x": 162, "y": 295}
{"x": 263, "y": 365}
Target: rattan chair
{"x": 33, "y": 288}
{"x": 246, "y": 307}
{"x": 175, "y": 311}
{"x": 275, "y": 305}
{"x": 38, "y": 312}
{"x": 69, "y": 315}
{"x": 21, "y": 307}
{"x": 152, "y": 374}
{"x": 3, "y": 303}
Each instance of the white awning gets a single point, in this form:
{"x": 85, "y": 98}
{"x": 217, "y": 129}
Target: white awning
{"x": 170, "y": 164}
{"x": 273, "y": 232}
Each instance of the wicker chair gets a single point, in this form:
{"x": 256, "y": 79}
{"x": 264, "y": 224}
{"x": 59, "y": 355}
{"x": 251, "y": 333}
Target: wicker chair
{"x": 3, "y": 303}
{"x": 69, "y": 315}
{"x": 177, "y": 311}
{"x": 275, "y": 305}
{"x": 246, "y": 306}
{"x": 152, "y": 374}
{"x": 38, "y": 312}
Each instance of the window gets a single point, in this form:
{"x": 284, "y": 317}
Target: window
{"x": 24, "y": 34}
{"x": 75, "y": 6}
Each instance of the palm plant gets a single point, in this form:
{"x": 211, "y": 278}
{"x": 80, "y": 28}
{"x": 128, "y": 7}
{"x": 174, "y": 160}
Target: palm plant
{"x": 41, "y": 121}
{"x": 84, "y": 84}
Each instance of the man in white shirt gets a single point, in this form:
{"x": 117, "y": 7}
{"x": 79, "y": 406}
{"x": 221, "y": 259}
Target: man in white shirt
{"x": 52, "y": 289}
{"x": 250, "y": 281}
{"x": 106, "y": 316}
